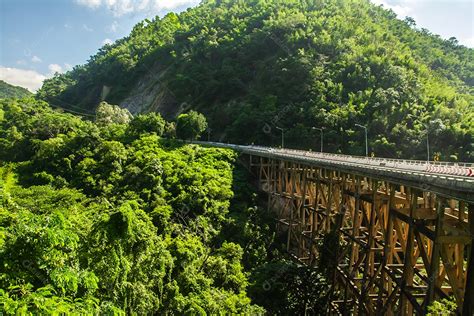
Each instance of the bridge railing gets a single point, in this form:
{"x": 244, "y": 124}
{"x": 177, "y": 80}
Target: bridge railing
{"x": 446, "y": 168}
{"x": 377, "y": 159}
{"x": 455, "y": 169}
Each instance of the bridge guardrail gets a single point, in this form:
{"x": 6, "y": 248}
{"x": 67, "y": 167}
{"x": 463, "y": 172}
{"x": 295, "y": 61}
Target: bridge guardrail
{"x": 455, "y": 169}
{"x": 463, "y": 170}
{"x": 407, "y": 161}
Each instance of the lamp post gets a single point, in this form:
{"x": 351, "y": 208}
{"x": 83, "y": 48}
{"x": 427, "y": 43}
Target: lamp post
{"x": 427, "y": 144}
{"x": 366, "y": 143}
{"x": 322, "y": 133}
{"x": 282, "y": 136}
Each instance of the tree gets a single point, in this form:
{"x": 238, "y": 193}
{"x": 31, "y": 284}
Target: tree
{"x": 286, "y": 288}
{"x": 111, "y": 224}
{"x": 410, "y": 21}
{"x": 108, "y": 113}
{"x": 147, "y": 123}
{"x": 445, "y": 306}
{"x": 190, "y": 125}
{"x": 131, "y": 259}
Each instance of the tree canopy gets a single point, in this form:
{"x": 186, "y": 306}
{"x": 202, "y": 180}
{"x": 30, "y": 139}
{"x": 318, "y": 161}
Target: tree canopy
{"x": 108, "y": 217}
{"x": 190, "y": 125}
{"x": 109, "y": 113}
{"x": 114, "y": 219}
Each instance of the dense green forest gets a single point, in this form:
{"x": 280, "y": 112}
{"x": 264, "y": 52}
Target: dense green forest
{"x": 9, "y": 91}
{"x": 251, "y": 66}
{"x": 108, "y": 212}
{"x": 115, "y": 216}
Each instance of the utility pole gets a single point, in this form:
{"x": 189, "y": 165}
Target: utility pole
{"x": 366, "y": 143}
{"x": 282, "y": 136}
{"x": 322, "y": 133}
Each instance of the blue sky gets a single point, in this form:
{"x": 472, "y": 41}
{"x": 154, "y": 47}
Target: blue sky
{"x": 41, "y": 37}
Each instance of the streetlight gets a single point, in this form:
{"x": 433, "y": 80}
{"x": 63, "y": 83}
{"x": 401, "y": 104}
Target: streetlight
{"x": 366, "y": 144}
{"x": 322, "y": 133}
{"x": 427, "y": 131}
{"x": 282, "y": 136}
{"x": 427, "y": 143}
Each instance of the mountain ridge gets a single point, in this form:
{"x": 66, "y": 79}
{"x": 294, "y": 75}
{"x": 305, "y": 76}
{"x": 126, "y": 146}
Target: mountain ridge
{"x": 11, "y": 91}
{"x": 292, "y": 64}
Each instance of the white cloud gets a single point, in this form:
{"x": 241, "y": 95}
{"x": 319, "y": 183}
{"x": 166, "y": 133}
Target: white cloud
{"x": 93, "y": 4}
{"x": 88, "y": 29}
{"x": 36, "y": 59}
{"x": 402, "y": 8}
{"x": 173, "y": 4}
{"x": 469, "y": 42}
{"x": 21, "y": 62}
{"x": 29, "y": 79}
{"x": 107, "y": 41}
{"x": 112, "y": 28}
{"x": 55, "y": 68}
{"x": 67, "y": 26}
{"x": 122, "y": 7}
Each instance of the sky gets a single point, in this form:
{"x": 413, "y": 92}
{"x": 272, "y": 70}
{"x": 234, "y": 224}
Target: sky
{"x": 41, "y": 37}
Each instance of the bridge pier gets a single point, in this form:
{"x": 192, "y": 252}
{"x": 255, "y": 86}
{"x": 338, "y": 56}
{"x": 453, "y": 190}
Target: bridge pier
{"x": 400, "y": 247}
{"x": 468, "y": 307}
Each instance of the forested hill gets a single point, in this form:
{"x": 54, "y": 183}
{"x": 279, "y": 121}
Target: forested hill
{"x": 9, "y": 91}
{"x": 253, "y": 65}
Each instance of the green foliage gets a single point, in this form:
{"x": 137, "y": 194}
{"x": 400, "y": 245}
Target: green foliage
{"x": 108, "y": 113}
{"x": 130, "y": 258}
{"x": 147, "y": 123}
{"x": 10, "y": 91}
{"x": 93, "y": 221}
{"x": 27, "y": 121}
{"x": 190, "y": 125}
{"x": 445, "y": 307}
{"x": 40, "y": 231}
{"x": 286, "y": 288}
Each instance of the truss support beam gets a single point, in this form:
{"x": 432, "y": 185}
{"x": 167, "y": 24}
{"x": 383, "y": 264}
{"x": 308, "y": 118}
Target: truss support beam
{"x": 401, "y": 248}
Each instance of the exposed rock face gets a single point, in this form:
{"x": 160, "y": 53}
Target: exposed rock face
{"x": 151, "y": 94}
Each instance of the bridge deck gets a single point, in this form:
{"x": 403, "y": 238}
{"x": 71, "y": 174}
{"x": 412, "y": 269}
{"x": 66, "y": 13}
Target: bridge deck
{"x": 404, "y": 228}
{"x": 452, "y": 180}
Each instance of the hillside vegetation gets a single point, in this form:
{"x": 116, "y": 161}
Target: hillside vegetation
{"x": 253, "y": 65}
{"x": 100, "y": 218}
{"x": 111, "y": 217}
{"x": 10, "y": 91}
{"x": 110, "y": 214}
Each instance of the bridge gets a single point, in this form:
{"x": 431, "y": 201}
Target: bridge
{"x": 404, "y": 228}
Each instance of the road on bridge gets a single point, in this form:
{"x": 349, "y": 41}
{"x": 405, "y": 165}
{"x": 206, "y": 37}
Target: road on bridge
{"x": 450, "y": 179}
